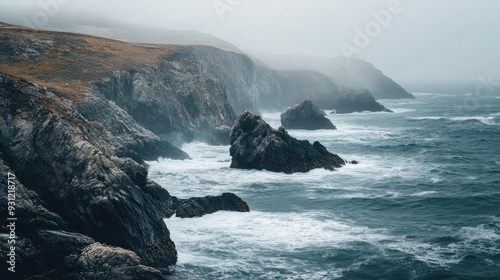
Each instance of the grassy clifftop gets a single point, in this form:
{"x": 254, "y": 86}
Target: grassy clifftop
{"x": 67, "y": 62}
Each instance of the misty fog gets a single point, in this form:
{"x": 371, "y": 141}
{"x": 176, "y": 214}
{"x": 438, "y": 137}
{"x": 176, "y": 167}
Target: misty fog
{"x": 409, "y": 41}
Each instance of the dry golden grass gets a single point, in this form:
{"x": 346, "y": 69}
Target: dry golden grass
{"x": 73, "y": 61}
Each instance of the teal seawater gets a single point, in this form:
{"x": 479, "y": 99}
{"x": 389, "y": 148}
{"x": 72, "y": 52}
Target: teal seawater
{"x": 424, "y": 202}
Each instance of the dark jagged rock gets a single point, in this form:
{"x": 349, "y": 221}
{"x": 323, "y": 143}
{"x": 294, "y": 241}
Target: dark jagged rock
{"x": 356, "y": 102}
{"x": 164, "y": 203}
{"x": 128, "y": 138}
{"x": 255, "y": 145}
{"x": 305, "y": 116}
{"x": 160, "y": 198}
{"x": 98, "y": 261}
{"x": 200, "y": 206}
{"x": 42, "y": 237}
{"x": 71, "y": 186}
{"x": 176, "y": 97}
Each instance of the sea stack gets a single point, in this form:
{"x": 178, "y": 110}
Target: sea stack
{"x": 256, "y": 145}
{"x": 361, "y": 101}
{"x": 305, "y": 116}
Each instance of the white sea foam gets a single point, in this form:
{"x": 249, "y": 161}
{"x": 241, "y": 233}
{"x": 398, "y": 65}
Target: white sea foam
{"x": 488, "y": 120}
{"x": 480, "y": 233}
{"x": 427, "y": 118}
{"x": 402, "y": 110}
{"x": 471, "y": 240}
{"x": 215, "y": 240}
{"x": 431, "y": 94}
{"x": 271, "y": 231}
{"x": 427, "y": 252}
{"x": 262, "y": 236}
{"x": 435, "y": 180}
{"x": 484, "y": 120}
{"x": 425, "y": 193}
{"x": 258, "y": 241}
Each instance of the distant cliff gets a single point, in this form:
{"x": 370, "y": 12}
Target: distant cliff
{"x": 348, "y": 74}
{"x": 379, "y": 85}
{"x": 250, "y": 85}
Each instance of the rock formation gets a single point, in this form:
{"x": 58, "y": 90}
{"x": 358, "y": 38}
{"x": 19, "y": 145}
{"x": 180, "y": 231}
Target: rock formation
{"x": 305, "y": 116}
{"x": 200, "y": 206}
{"x": 69, "y": 168}
{"x": 256, "y": 145}
{"x": 355, "y": 102}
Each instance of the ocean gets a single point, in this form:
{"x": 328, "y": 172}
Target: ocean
{"x": 423, "y": 202}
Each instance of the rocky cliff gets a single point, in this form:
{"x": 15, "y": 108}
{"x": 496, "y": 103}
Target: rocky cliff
{"x": 72, "y": 188}
{"x": 379, "y": 85}
{"x": 347, "y": 73}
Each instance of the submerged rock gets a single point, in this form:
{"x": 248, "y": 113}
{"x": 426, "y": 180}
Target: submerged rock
{"x": 200, "y": 206}
{"x": 256, "y": 145}
{"x": 305, "y": 116}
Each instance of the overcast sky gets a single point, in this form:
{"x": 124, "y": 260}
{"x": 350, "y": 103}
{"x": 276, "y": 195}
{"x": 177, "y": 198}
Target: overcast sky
{"x": 424, "y": 39}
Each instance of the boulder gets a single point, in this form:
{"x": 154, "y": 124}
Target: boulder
{"x": 98, "y": 261}
{"x": 305, "y": 116}
{"x": 200, "y": 206}
{"x": 256, "y": 145}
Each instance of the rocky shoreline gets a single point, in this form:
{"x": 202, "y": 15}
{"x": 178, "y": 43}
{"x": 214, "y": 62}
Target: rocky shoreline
{"x": 79, "y": 204}
{"x": 80, "y": 115}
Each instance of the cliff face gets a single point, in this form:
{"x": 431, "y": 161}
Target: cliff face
{"x": 249, "y": 85}
{"x": 349, "y": 74}
{"x": 379, "y": 85}
{"x": 174, "y": 99}
{"x": 128, "y": 138}
{"x": 75, "y": 179}
{"x": 236, "y": 73}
